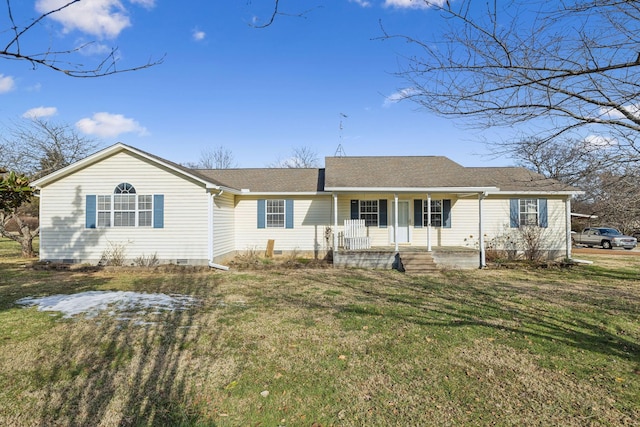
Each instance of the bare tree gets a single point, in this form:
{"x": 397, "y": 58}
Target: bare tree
{"x": 18, "y": 44}
{"x": 216, "y": 158}
{"x": 38, "y": 147}
{"x": 566, "y": 69}
{"x": 301, "y": 157}
{"x": 615, "y": 199}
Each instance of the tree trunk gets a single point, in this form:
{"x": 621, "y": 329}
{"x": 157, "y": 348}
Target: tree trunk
{"x": 26, "y": 242}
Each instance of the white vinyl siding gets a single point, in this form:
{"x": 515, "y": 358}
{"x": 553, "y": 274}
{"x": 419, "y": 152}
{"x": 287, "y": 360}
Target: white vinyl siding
{"x": 63, "y": 232}
{"x": 311, "y": 216}
{"x": 223, "y": 226}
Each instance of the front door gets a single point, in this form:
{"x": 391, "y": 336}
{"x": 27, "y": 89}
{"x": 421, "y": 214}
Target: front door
{"x": 403, "y": 221}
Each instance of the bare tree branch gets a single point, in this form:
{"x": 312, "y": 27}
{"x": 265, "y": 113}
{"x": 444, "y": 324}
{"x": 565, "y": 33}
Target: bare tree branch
{"x": 37, "y": 147}
{"x": 301, "y": 157}
{"x": 60, "y": 60}
{"x": 275, "y": 13}
{"x": 567, "y": 68}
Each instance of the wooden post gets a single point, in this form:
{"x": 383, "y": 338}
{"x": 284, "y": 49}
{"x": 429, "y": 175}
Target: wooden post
{"x": 270, "y": 244}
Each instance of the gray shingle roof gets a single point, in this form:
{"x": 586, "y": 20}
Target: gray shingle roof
{"x": 268, "y": 180}
{"x": 395, "y": 172}
{"x": 430, "y": 172}
{"x": 516, "y": 179}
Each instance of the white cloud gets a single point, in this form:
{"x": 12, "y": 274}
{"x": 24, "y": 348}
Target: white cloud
{"x": 100, "y": 18}
{"x": 399, "y": 96}
{"x": 109, "y": 125}
{"x": 35, "y": 88}
{"x": 363, "y": 3}
{"x": 413, "y": 4}
{"x": 611, "y": 113}
{"x": 144, "y": 3}
{"x": 198, "y": 35}
{"x": 7, "y": 83}
{"x": 599, "y": 141}
{"x": 94, "y": 48}
{"x": 38, "y": 112}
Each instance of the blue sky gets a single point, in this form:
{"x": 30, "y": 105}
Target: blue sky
{"x": 257, "y": 92}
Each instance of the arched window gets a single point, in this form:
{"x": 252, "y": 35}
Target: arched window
{"x": 125, "y": 208}
{"x": 125, "y": 188}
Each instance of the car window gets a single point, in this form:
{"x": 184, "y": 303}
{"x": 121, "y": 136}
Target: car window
{"x": 610, "y": 232}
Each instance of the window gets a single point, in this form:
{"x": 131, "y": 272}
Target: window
{"x": 436, "y": 213}
{"x": 275, "y": 214}
{"x": 104, "y": 211}
{"x": 528, "y": 212}
{"x": 440, "y": 213}
{"x": 369, "y": 212}
{"x": 124, "y": 208}
{"x": 373, "y": 212}
{"x": 145, "y": 211}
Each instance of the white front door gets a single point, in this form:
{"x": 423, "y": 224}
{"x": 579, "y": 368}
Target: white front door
{"x": 403, "y": 221}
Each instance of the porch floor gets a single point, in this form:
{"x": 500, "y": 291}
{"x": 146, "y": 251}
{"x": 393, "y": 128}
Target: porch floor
{"x": 409, "y": 258}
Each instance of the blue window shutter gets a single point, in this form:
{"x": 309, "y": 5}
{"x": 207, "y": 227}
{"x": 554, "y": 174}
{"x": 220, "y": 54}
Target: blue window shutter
{"x": 417, "y": 213}
{"x": 382, "y": 213}
{"x": 543, "y": 213}
{"x": 446, "y": 213}
{"x": 514, "y": 213}
{"x": 355, "y": 209}
{"x": 90, "y": 210}
{"x": 158, "y": 211}
{"x": 288, "y": 213}
{"x": 262, "y": 213}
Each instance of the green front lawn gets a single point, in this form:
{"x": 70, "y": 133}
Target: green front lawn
{"x": 332, "y": 347}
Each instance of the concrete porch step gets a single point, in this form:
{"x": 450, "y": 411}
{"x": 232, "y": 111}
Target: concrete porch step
{"x": 418, "y": 262}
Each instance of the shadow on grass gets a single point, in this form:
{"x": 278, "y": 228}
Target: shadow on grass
{"x": 581, "y": 318}
{"x": 122, "y": 371}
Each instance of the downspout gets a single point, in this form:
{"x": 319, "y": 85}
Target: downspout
{"x": 395, "y": 226}
{"x": 567, "y": 208}
{"x": 483, "y": 255}
{"x": 210, "y": 242}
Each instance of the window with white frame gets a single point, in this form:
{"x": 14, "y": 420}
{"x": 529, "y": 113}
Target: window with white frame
{"x": 369, "y": 212}
{"x": 145, "y": 210}
{"x": 124, "y": 208}
{"x": 436, "y": 213}
{"x": 528, "y": 212}
{"x": 275, "y": 214}
{"x": 104, "y": 211}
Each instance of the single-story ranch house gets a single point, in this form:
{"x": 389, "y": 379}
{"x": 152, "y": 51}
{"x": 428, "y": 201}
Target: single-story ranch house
{"x": 122, "y": 197}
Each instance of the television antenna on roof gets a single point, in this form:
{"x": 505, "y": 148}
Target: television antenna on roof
{"x": 340, "y": 150}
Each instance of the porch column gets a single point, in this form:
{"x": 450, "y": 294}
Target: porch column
{"x": 395, "y": 226}
{"x": 335, "y": 222}
{"x": 483, "y": 256}
{"x": 429, "y": 222}
{"x": 567, "y": 208}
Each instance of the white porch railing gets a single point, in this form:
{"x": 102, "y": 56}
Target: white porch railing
{"x": 355, "y": 235}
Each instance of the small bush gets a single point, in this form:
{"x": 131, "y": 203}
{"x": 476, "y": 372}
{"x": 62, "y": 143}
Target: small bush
{"x": 147, "y": 260}
{"x": 114, "y": 255}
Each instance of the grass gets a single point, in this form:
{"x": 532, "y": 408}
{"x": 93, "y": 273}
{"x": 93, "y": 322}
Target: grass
{"x": 331, "y": 347}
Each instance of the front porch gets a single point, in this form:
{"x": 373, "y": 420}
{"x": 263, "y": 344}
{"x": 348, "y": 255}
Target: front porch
{"x": 412, "y": 259}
